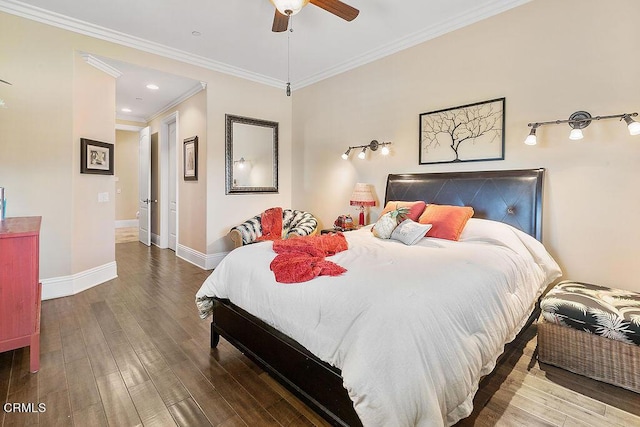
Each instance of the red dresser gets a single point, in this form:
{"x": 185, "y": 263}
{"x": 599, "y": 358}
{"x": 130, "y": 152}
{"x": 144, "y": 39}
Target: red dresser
{"x": 20, "y": 288}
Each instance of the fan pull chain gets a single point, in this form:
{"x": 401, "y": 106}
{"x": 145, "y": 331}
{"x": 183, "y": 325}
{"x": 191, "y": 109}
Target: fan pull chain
{"x": 289, "y": 55}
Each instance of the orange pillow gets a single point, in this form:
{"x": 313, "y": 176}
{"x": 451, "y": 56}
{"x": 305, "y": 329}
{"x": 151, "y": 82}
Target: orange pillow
{"x": 448, "y": 221}
{"x": 415, "y": 209}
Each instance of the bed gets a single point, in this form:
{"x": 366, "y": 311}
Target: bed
{"x": 405, "y": 335}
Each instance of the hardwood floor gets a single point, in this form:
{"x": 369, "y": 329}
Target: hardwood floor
{"x": 126, "y": 234}
{"x": 134, "y": 352}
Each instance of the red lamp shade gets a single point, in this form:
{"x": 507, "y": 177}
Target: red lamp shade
{"x": 362, "y": 196}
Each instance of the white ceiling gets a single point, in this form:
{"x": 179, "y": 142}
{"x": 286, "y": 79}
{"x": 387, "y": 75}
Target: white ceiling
{"x": 236, "y": 36}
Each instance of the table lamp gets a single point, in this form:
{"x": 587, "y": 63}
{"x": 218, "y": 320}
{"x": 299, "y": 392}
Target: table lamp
{"x": 362, "y": 196}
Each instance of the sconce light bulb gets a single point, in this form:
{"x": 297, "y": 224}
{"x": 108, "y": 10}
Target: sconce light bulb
{"x": 576, "y": 134}
{"x": 634, "y": 127}
{"x": 345, "y": 155}
{"x": 531, "y": 138}
{"x": 362, "y": 154}
{"x": 385, "y": 150}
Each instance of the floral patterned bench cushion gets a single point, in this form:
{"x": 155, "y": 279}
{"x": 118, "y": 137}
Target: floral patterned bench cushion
{"x": 611, "y": 313}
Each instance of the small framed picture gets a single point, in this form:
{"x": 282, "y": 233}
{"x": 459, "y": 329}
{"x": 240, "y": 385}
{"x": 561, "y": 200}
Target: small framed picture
{"x": 96, "y": 157}
{"x": 191, "y": 159}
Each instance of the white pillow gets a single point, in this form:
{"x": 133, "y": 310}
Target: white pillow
{"x": 385, "y": 225}
{"x": 410, "y": 232}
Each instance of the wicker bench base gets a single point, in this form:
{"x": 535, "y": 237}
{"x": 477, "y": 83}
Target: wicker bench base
{"x": 596, "y": 357}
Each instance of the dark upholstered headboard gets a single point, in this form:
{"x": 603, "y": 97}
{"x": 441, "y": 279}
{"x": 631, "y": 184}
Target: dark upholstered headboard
{"x": 512, "y": 196}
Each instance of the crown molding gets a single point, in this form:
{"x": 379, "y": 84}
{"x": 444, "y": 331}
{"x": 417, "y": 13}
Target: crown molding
{"x": 200, "y": 86}
{"x": 101, "y": 65}
{"x": 461, "y": 20}
{"x": 129, "y": 128}
{"x": 71, "y": 24}
{"x": 77, "y": 26}
{"x": 129, "y": 118}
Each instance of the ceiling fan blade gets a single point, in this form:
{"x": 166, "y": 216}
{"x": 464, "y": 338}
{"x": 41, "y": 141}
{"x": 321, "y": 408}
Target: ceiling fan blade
{"x": 338, "y": 8}
{"x": 280, "y": 22}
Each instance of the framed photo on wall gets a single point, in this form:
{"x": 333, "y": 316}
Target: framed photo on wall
{"x": 96, "y": 157}
{"x": 472, "y": 132}
{"x": 190, "y": 159}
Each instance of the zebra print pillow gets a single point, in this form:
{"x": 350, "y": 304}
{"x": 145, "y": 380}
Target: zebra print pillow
{"x": 294, "y": 222}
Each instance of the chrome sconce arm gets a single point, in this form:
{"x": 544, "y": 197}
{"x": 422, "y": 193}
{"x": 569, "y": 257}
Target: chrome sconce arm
{"x": 373, "y": 146}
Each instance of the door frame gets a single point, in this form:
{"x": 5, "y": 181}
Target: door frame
{"x": 164, "y": 179}
{"x": 146, "y": 193}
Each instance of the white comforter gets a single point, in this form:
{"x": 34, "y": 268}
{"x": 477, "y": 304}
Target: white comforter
{"x": 413, "y": 328}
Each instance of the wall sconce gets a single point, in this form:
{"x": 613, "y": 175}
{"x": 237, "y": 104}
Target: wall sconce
{"x": 580, "y": 120}
{"x": 240, "y": 162}
{"x": 373, "y": 146}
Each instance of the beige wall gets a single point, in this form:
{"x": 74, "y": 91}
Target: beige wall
{"x": 126, "y": 172}
{"x": 549, "y": 59}
{"x": 192, "y": 195}
{"x": 225, "y": 211}
{"x": 39, "y": 150}
{"x": 94, "y": 95}
{"x": 36, "y": 136}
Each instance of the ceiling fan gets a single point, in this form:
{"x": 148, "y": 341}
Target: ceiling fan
{"x": 287, "y": 8}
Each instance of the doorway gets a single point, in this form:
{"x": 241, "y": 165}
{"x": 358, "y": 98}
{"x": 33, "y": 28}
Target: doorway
{"x": 169, "y": 182}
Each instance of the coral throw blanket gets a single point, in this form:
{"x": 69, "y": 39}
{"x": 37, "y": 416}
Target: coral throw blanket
{"x": 271, "y": 221}
{"x": 301, "y": 259}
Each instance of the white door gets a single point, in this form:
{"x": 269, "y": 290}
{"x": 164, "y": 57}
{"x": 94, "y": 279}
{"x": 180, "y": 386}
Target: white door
{"x": 144, "y": 189}
{"x": 173, "y": 182}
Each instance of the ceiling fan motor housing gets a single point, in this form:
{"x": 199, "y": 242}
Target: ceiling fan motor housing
{"x": 289, "y": 7}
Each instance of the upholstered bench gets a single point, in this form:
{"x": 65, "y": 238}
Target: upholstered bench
{"x": 593, "y": 331}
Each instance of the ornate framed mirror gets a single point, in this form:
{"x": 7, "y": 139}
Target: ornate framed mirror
{"x": 251, "y": 155}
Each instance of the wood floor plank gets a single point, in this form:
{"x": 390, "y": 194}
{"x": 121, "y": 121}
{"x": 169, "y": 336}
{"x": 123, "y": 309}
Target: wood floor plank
{"x": 52, "y": 376}
{"x": 186, "y": 413}
{"x": 117, "y": 403}
{"x": 129, "y": 365}
{"x": 211, "y": 402}
{"x": 90, "y": 416}
{"x": 83, "y": 390}
{"x": 73, "y": 347}
{"x": 105, "y": 317}
{"x": 6, "y": 361}
{"x": 149, "y": 404}
{"x": 166, "y": 382}
{"x": 102, "y": 361}
{"x": 58, "y": 409}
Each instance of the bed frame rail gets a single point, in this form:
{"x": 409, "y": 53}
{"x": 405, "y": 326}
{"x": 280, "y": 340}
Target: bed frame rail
{"x": 316, "y": 383}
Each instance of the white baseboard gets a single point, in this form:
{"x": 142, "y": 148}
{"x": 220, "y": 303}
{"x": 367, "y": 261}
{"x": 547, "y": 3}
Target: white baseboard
{"x": 205, "y": 262}
{"x": 126, "y": 223}
{"x": 213, "y": 260}
{"x": 57, "y": 287}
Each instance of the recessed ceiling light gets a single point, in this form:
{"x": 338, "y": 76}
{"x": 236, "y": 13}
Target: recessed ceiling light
{"x": 152, "y": 86}
{"x": 138, "y": 99}
{"x": 126, "y": 110}
{"x": 196, "y": 33}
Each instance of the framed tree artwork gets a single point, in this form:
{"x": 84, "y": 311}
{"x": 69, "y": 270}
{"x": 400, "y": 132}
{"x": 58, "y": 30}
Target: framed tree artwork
{"x": 190, "y": 159}
{"x": 468, "y": 133}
